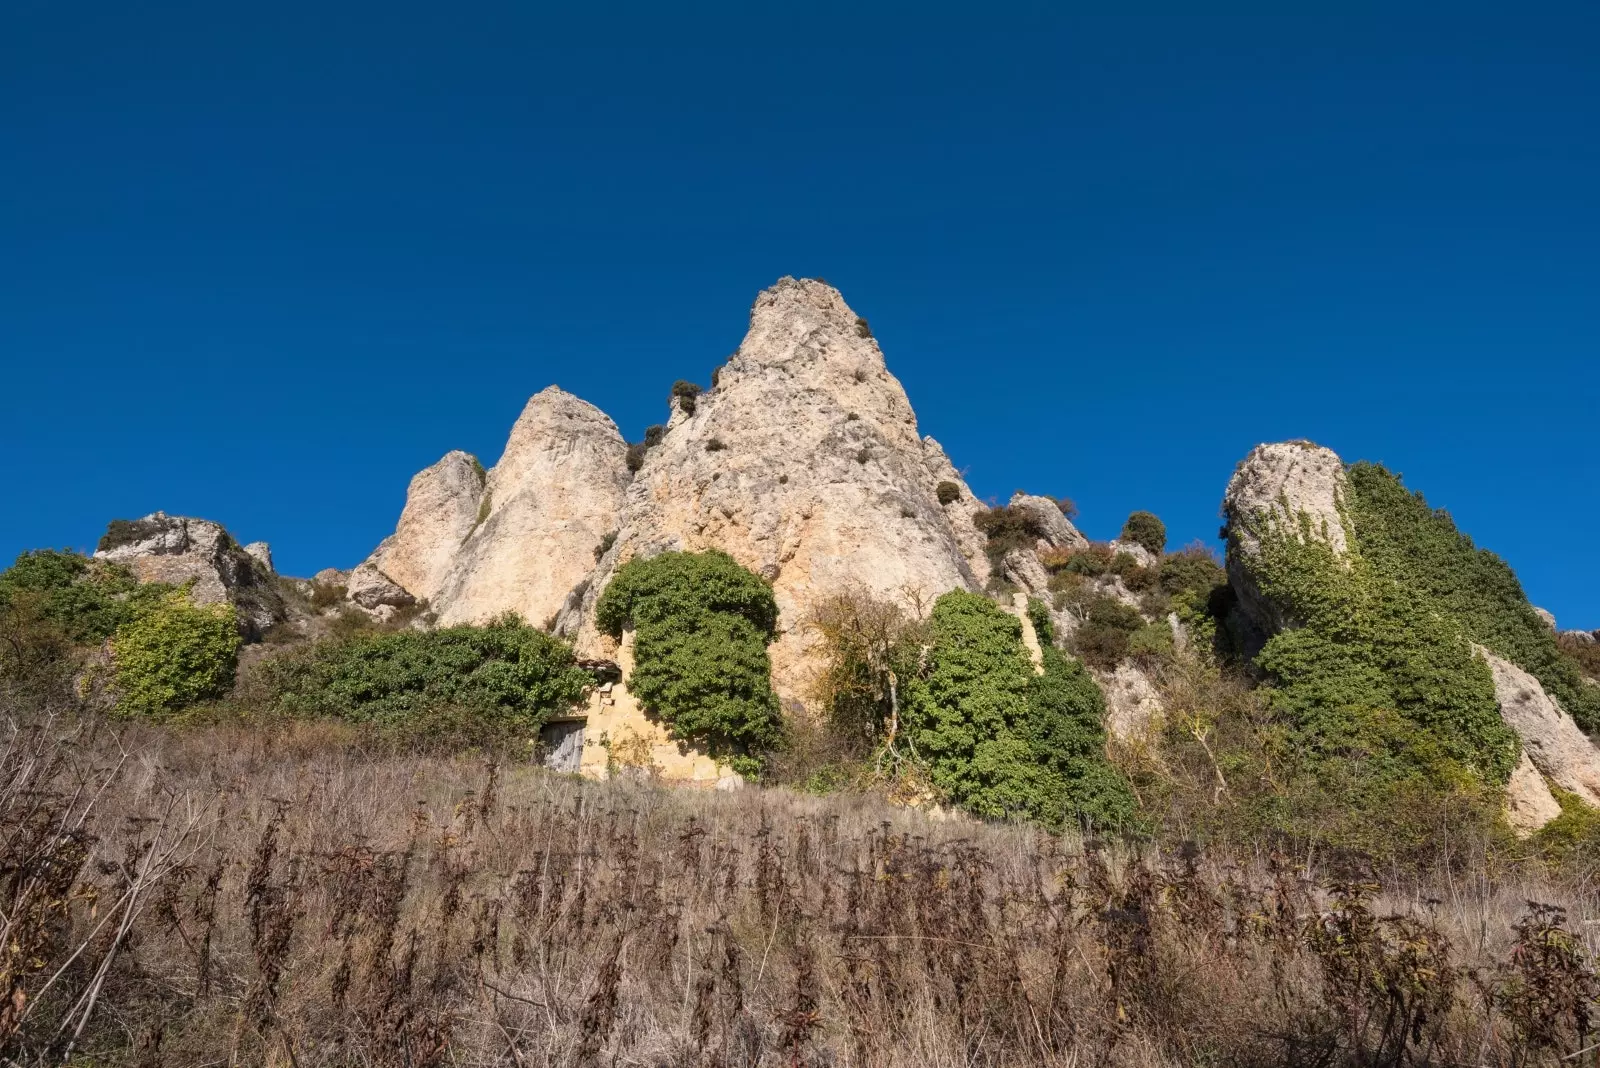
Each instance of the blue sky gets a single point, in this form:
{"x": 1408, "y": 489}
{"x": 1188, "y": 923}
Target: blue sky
{"x": 262, "y": 264}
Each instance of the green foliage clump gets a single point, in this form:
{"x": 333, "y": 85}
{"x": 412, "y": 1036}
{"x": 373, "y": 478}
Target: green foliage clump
{"x": 702, "y": 625}
{"x": 1419, "y": 549}
{"x": 1008, "y": 528}
{"x": 120, "y": 532}
{"x": 948, "y": 492}
{"x": 686, "y": 395}
{"x": 1103, "y": 636}
{"x": 1044, "y": 628}
{"x": 1383, "y": 705}
{"x": 503, "y": 677}
{"x": 862, "y": 328}
{"x": 174, "y": 654}
{"x": 999, "y": 740}
{"x": 1143, "y": 528}
{"x": 87, "y": 599}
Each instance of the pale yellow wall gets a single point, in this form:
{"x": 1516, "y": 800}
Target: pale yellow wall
{"x": 635, "y": 740}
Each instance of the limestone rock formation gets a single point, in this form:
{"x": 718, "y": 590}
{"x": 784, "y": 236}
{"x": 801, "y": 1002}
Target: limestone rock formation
{"x": 261, "y": 552}
{"x": 1550, "y": 738}
{"x": 178, "y": 549}
{"x": 549, "y": 503}
{"x": 805, "y": 465}
{"x": 1546, "y": 616}
{"x": 1291, "y": 486}
{"x": 443, "y": 506}
{"x": 1529, "y": 802}
{"x": 369, "y": 588}
{"x": 1059, "y": 533}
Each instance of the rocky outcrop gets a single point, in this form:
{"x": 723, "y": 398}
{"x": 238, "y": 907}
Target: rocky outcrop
{"x": 1291, "y": 487}
{"x": 1059, "y": 533}
{"x": 546, "y": 508}
{"x": 805, "y": 465}
{"x": 1550, "y": 738}
{"x": 371, "y": 589}
{"x": 1133, "y": 703}
{"x": 178, "y": 549}
{"x": 443, "y": 505}
{"x": 1529, "y": 803}
{"x": 261, "y": 553}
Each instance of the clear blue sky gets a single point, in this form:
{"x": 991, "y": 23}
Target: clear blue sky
{"x": 261, "y": 263}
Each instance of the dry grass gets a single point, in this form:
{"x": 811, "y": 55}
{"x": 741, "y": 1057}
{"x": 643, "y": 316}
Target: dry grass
{"x": 225, "y": 896}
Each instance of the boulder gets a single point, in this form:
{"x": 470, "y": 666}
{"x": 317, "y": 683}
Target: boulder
{"x": 1547, "y": 618}
{"x": 1290, "y": 488}
{"x": 261, "y": 553}
{"x": 179, "y": 549}
{"x": 1059, "y": 533}
{"x": 369, "y": 588}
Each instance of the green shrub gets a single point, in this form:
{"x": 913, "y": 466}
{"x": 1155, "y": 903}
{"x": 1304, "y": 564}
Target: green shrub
{"x": 1143, "y": 528}
{"x": 862, "y": 329}
{"x": 653, "y": 435}
{"x": 702, "y": 625}
{"x": 1103, "y": 636}
{"x": 503, "y": 677}
{"x": 1151, "y": 643}
{"x": 1068, "y": 507}
{"x": 715, "y": 445}
{"x": 949, "y": 493}
{"x": 605, "y": 545}
{"x": 1008, "y": 528}
{"x": 1044, "y": 627}
{"x": 88, "y": 599}
{"x": 1091, "y": 562}
{"x": 174, "y": 654}
{"x": 1383, "y": 705}
{"x": 1420, "y": 549}
{"x": 999, "y": 740}
{"x": 120, "y": 532}
{"x": 686, "y": 395}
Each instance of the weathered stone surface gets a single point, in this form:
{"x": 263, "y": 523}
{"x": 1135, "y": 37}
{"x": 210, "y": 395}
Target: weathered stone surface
{"x": 1142, "y": 556}
{"x": 1529, "y": 802}
{"x": 1293, "y": 487}
{"x": 178, "y": 549}
{"x": 1021, "y": 567}
{"x": 331, "y": 576}
{"x": 443, "y": 506}
{"x": 1555, "y": 744}
{"x": 261, "y": 553}
{"x": 369, "y": 588}
{"x": 1059, "y": 531}
{"x": 555, "y": 495}
{"x": 805, "y": 465}
{"x": 1133, "y": 703}
{"x": 1584, "y": 636}
{"x": 1548, "y": 618}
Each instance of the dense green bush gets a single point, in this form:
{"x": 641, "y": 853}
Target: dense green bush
{"x": 949, "y": 492}
{"x": 1044, "y": 628}
{"x": 701, "y": 627}
{"x": 999, "y": 740}
{"x": 506, "y": 677}
{"x": 1108, "y": 625}
{"x": 862, "y": 328}
{"x": 88, "y": 599}
{"x": 1143, "y": 528}
{"x": 174, "y": 654}
{"x": 1383, "y": 704}
{"x": 1420, "y": 549}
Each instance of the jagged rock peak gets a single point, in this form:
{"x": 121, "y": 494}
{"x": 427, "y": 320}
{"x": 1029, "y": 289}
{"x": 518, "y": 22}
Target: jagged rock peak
{"x": 442, "y": 507}
{"x": 1059, "y": 533}
{"x": 803, "y": 463}
{"x": 546, "y": 506}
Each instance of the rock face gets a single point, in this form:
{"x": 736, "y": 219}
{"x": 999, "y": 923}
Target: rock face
{"x": 1059, "y": 533}
{"x": 369, "y": 588}
{"x": 805, "y": 465}
{"x": 1529, "y": 802}
{"x": 442, "y": 508}
{"x": 178, "y": 549}
{"x": 1290, "y": 486}
{"x": 1550, "y": 738}
{"x": 261, "y": 553}
{"x": 549, "y": 503}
